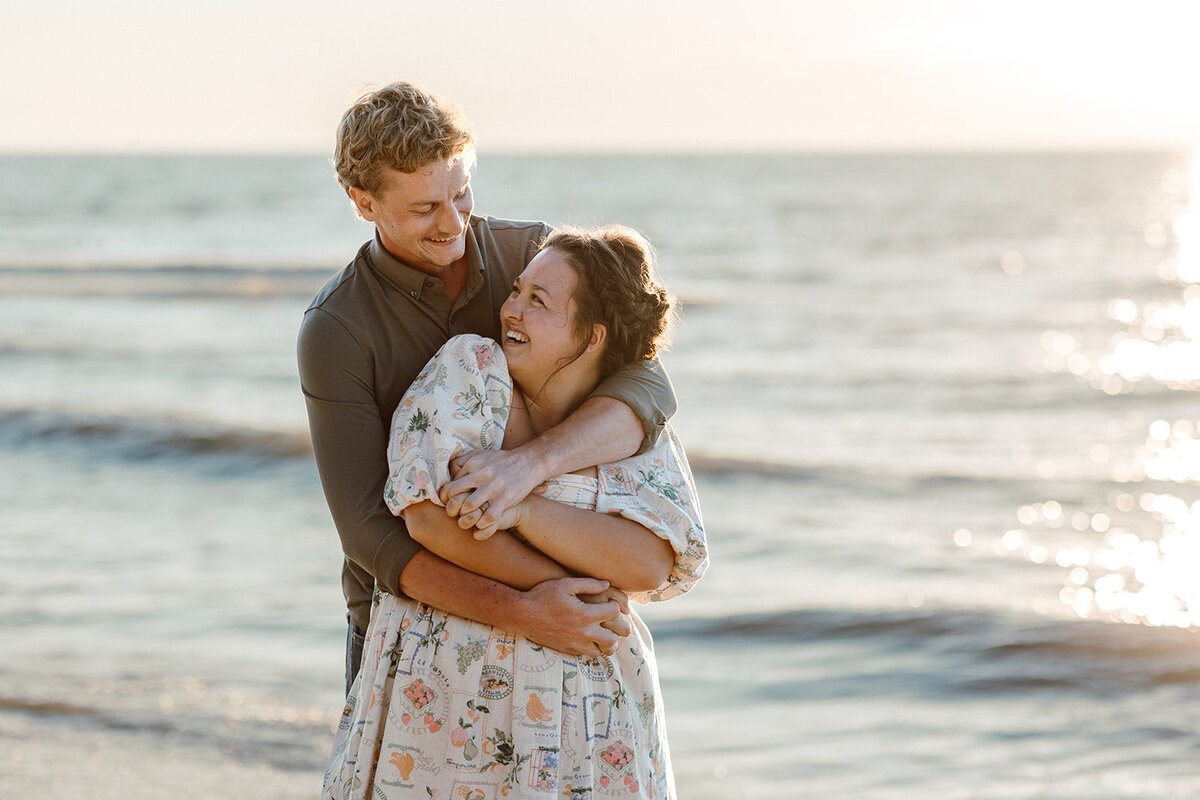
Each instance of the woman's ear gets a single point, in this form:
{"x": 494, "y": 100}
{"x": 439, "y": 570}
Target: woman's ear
{"x": 599, "y": 337}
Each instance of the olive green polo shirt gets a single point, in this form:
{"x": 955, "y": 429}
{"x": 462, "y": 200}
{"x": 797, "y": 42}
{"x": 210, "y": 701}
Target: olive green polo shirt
{"x": 362, "y": 342}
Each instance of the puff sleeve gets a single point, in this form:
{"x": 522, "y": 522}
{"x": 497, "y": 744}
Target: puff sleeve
{"x": 458, "y": 402}
{"x": 656, "y": 489}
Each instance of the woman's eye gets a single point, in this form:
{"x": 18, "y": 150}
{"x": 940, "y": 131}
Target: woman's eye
{"x": 538, "y": 300}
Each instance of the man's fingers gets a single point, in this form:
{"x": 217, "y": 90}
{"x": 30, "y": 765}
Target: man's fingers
{"x": 455, "y": 495}
{"x": 605, "y": 641}
{"x": 619, "y": 626}
{"x": 462, "y": 463}
{"x": 605, "y": 611}
{"x": 490, "y": 516}
{"x": 463, "y": 497}
{"x": 585, "y": 586}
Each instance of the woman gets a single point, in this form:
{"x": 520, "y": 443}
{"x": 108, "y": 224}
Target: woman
{"x": 449, "y": 708}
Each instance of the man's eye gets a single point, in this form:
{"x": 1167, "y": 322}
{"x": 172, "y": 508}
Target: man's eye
{"x": 538, "y": 300}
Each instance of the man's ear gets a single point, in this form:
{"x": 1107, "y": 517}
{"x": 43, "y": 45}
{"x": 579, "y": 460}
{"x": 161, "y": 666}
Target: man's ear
{"x": 364, "y": 202}
{"x": 599, "y": 337}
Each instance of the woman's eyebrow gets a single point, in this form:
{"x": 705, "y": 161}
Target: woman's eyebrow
{"x": 533, "y": 287}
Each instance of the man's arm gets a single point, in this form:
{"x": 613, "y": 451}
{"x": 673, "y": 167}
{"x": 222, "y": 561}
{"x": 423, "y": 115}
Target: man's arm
{"x": 571, "y": 615}
{"x": 350, "y": 446}
{"x": 624, "y": 415}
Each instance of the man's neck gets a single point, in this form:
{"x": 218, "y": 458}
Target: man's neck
{"x": 454, "y": 278}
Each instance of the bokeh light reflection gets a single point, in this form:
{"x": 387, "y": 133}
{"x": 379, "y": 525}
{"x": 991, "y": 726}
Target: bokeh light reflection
{"x": 1138, "y": 560}
{"x": 1124, "y": 577}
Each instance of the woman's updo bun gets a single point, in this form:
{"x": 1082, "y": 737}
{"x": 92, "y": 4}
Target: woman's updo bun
{"x": 617, "y": 289}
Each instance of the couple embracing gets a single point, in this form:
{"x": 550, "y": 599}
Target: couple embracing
{"x": 489, "y": 423}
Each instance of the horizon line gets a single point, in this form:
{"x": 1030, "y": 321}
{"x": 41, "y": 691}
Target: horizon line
{"x": 1174, "y": 147}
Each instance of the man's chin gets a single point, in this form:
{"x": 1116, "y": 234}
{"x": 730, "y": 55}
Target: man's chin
{"x": 443, "y": 257}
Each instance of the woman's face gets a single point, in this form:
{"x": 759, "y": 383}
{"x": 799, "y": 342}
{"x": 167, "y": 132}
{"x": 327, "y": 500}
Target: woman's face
{"x": 536, "y": 330}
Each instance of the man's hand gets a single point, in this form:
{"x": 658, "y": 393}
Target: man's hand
{"x": 577, "y": 616}
{"x": 620, "y": 626}
{"x": 486, "y": 484}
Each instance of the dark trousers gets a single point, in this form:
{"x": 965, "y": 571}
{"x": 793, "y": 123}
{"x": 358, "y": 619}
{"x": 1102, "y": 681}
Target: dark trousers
{"x": 354, "y": 648}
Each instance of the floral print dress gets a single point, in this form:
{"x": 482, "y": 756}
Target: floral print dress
{"x": 451, "y": 709}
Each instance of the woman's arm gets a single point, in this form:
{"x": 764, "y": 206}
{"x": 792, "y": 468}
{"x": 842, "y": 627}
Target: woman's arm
{"x": 502, "y": 557}
{"x": 604, "y": 546}
{"x": 623, "y": 552}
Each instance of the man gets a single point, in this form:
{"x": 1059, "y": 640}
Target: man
{"x": 433, "y": 271}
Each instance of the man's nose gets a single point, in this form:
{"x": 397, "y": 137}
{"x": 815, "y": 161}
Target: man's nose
{"x": 450, "y": 221}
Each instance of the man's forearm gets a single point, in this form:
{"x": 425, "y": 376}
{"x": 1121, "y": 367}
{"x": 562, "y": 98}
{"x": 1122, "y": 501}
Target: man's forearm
{"x": 434, "y": 581}
{"x": 551, "y": 614}
{"x": 600, "y": 431}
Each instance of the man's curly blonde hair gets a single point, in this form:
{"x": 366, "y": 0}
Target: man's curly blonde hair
{"x": 400, "y": 127}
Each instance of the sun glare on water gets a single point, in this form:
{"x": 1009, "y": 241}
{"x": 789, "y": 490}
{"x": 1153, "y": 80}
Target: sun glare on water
{"x": 1147, "y": 571}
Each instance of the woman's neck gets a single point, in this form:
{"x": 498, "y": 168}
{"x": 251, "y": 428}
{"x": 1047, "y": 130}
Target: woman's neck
{"x": 558, "y": 397}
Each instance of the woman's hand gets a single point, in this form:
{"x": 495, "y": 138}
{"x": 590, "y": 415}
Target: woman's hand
{"x": 510, "y": 518}
{"x": 487, "y": 485}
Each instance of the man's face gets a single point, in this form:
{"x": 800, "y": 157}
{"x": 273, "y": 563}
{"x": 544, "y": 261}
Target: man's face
{"x": 422, "y": 216}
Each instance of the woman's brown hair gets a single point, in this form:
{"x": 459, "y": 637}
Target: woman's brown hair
{"x": 617, "y": 289}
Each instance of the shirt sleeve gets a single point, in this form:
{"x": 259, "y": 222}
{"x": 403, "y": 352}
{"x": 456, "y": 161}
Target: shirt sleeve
{"x": 656, "y": 490}
{"x": 349, "y": 443}
{"x": 646, "y": 388}
{"x": 458, "y": 403}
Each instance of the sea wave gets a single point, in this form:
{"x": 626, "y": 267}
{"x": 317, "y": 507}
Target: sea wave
{"x": 966, "y": 651}
{"x": 163, "y": 281}
{"x": 142, "y": 438}
{"x": 278, "y": 742}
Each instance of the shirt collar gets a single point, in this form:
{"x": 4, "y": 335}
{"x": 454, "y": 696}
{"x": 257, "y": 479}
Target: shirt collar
{"x": 413, "y": 282}
{"x": 395, "y": 271}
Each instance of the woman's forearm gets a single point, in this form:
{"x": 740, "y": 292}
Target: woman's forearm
{"x": 605, "y": 546}
{"x": 502, "y": 557}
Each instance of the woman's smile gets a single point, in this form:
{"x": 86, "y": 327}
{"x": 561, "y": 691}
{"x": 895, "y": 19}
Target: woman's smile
{"x": 535, "y": 320}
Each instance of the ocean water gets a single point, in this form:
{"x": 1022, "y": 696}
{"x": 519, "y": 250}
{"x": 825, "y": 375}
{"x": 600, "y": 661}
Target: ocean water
{"x": 942, "y": 410}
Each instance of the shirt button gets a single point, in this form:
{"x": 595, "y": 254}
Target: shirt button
{"x": 413, "y": 292}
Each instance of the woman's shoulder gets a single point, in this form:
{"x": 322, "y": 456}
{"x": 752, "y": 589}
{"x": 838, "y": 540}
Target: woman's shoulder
{"x": 469, "y": 342}
{"x": 476, "y": 353}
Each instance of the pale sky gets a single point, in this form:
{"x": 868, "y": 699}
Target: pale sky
{"x": 269, "y": 75}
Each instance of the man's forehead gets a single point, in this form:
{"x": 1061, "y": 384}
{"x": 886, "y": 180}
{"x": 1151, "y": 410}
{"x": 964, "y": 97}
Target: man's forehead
{"x": 427, "y": 184}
